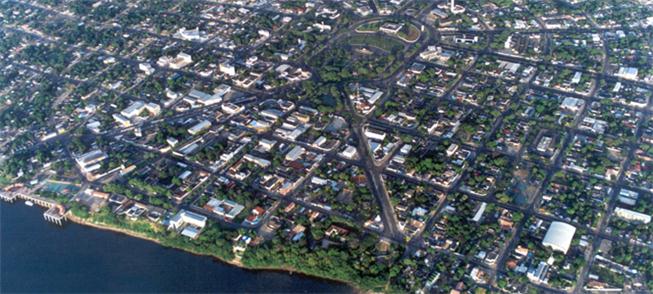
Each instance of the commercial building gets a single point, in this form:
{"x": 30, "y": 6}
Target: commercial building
{"x": 559, "y": 236}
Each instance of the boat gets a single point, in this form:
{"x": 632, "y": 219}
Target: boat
{"x": 29, "y": 203}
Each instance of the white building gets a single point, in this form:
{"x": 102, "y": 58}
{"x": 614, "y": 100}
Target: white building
{"x": 228, "y": 68}
{"x": 224, "y": 208}
{"x": 230, "y": 108}
{"x": 572, "y": 104}
{"x": 191, "y": 35}
{"x": 577, "y": 76}
{"x": 295, "y": 153}
{"x": 204, "y": 98}
{"x": 539, "y": 274}
{"x": 631, "y": 215}
{"x": 90, "y": 161}
{"x": 628, "y": 73}
{"x": 189, "y": 223}
{"x": 199, "y": 127}
{"x": 133, "y": 109}
{"x": 119, "y": 118}
{"x": 375, "y": 135}
{"x": 559, "y": 236}
{"x": 182, "y": 59}
{"x": 146, "y": 68}
{"x": 628, "y": 197}
{"x": 349, "y": 152}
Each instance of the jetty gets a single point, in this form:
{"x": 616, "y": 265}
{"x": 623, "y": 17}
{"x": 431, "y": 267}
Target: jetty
{"x": 56, "y": 212}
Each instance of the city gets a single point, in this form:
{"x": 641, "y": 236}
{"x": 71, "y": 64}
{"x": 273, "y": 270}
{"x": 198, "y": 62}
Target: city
{"x": 393, "y": 145}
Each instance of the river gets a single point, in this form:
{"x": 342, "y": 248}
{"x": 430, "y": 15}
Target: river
{"x": 37, "y": 256}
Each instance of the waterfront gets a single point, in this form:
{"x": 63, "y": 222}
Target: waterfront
{"x": 37, "y": 256}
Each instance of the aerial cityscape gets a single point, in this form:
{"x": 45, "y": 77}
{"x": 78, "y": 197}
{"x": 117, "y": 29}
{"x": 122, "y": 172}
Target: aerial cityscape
{"x": 387, "y": 146}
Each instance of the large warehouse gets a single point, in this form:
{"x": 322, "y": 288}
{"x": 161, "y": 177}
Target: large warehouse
{"x": 559, "y": 236}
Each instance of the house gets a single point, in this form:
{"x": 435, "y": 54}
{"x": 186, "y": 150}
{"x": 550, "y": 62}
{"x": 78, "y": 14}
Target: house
{"x": 255, "y": 216}
{"x": 241, "y": 243}
{"x": 297, "y": 233}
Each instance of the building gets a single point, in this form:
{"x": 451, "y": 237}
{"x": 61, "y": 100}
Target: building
{"x": 228, "y": 68}
{"x": 89, "y": 162}
{"x": 559, "y": 236}
{"x": 191, "y": 35}
{"x": 631, "y": 215}
{"x": 572, "y": 104}
{"x": 544, "y": 144}
{"x": 628, "y": 197}
{"x": 391, "y": 28}
{"x": 479, "y": 212}
{"x": 188, "y": 223}
{"x": 456, "y": 9}
{"x": 627, "y": 73}
{"x": 224, "y": 208}
{"x": 539, "y": 274}
{"x": 119, "y": 118}
{"x": 266, "y": 145}
{"x": 182, "y": 59}
{"x": 465, "y": 39}
{"x": 199, "y": 127}
{"x": 295, "y": 153}
{"x": 230, "y": 108}
{"x": 349, "y": 152}
{"x": 146, "y": 68}
{"x": 153, "y": 108}
{"x": 375, "y": 135}
{"x": 263, "y": 163}
{"x": 133, "y": 109}
{"x": 204, "y": 98}
{"x": 577, "y": 76}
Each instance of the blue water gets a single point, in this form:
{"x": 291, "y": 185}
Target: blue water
{"x": 36, "y": 256}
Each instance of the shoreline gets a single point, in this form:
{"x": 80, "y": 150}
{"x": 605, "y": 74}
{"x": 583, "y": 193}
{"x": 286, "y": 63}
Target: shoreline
{"x": 234, "y": 262}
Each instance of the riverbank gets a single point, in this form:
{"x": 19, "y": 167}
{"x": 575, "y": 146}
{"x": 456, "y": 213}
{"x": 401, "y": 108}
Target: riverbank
{"x": 40, "y": 257}
{"x": 233, "y": 262}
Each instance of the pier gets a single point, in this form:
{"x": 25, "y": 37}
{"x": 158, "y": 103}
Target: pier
{"x": 7, "y": 196}
{"x": 56, "y": 213}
